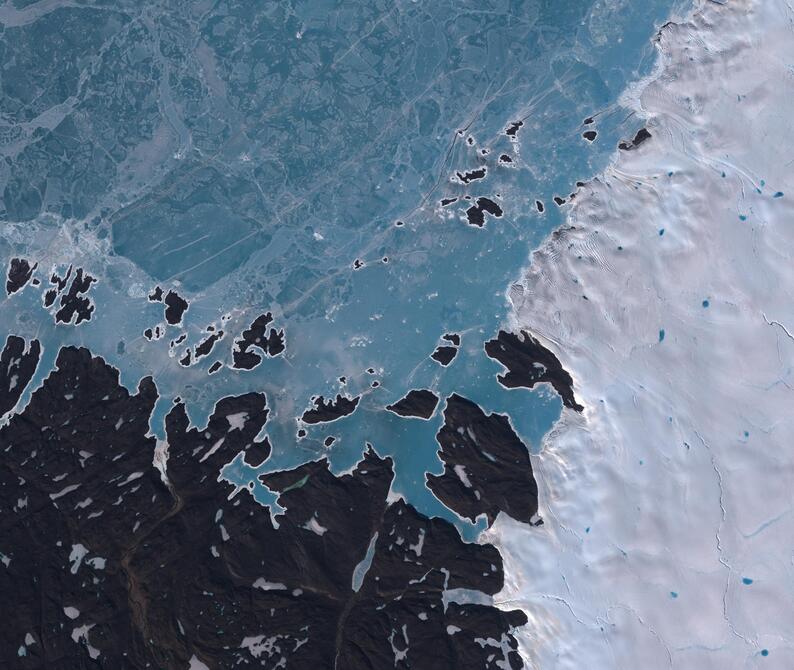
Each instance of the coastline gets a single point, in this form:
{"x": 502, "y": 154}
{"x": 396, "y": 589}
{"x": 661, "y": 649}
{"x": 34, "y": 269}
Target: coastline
{"x": 660, "y": 296}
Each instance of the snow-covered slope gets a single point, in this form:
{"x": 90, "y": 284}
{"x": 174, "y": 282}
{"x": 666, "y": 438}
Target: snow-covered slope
{"x": 669, "y": 529}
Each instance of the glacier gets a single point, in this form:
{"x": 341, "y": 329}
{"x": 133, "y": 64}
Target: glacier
{"x": 667, "y": 295}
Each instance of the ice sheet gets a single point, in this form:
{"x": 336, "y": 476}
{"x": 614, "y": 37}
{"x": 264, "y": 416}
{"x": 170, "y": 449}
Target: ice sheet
{"x": 669, "y": 527}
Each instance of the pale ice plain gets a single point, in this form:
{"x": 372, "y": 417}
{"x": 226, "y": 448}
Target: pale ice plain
{"x": 669, "y": 534}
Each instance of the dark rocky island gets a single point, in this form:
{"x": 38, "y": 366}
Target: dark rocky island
{"x": 454, "y": 338}
{"x": 471, "y": 175}
{"x": 175, "y": 307}
{"x": 444, "y": 354}
{"x": 204, "y": 347}
{"x": 417, "y": 403}
{"x": 19, "y": 273}
{"x": 476, "y": 213}
{"x": 256, "y": 337}
{"x": 486, "y": 466}
{"x": 641, "y": 136}
{"x": 76, "y": 306}
{"x": 513, "y": 128}
{"x": 529, "y": 363}
{"x": 325, "y": 411}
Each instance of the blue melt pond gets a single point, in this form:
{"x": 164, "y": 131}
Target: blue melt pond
{"x": 747, "y": 581}
{"x": 765, "y": 652}
{"x": 779, "y": 194}
{"x": 673, "y": 594}
{"x": 661, "y": 335}
{"x": 742, "y": 217}
{"x": 705, "y": 303}
{"x": 661, "y": 232}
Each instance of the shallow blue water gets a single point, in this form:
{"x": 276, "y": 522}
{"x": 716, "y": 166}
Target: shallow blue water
{"x": 248, "y": 153}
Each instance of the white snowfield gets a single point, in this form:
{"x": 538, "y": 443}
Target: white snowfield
{"x": 669, "y": 504}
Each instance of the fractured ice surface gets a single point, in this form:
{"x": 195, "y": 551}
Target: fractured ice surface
{"x": 668, "y": 503}
{"x": 192, "y": 156}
